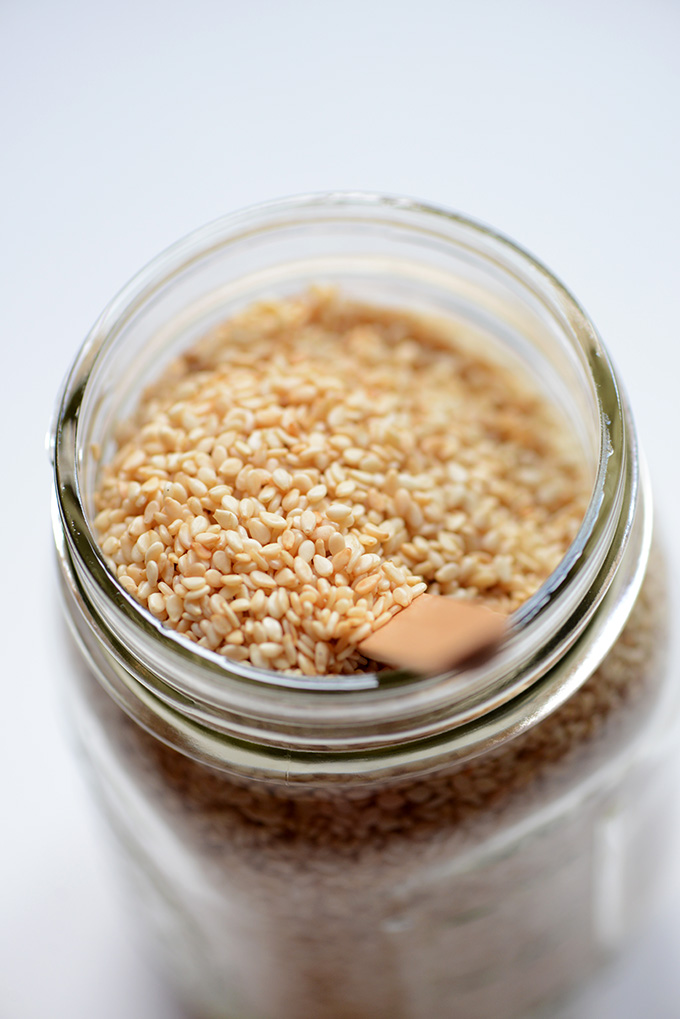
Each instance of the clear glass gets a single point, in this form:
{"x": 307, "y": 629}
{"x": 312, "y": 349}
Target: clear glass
{"x": 471, "y": 844}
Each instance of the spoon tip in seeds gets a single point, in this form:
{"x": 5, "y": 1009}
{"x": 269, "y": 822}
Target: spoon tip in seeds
{"x": 435, "y": 633}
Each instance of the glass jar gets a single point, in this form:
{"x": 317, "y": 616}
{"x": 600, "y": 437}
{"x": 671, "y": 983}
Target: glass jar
{"x": 377, "y": 846}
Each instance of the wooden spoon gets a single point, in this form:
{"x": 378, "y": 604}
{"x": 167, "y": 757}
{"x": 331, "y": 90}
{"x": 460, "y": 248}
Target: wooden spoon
{"x": 435, "y": 633}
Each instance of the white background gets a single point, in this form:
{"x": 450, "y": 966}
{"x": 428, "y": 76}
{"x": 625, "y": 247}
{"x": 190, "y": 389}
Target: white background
{"x": 125, "y": 124}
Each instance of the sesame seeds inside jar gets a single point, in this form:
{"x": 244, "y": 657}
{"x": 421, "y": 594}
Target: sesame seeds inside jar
{"x": 320, "y": 464}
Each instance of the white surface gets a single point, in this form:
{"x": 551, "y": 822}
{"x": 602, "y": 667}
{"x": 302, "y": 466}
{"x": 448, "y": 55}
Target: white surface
{"x": 126, "y": 124}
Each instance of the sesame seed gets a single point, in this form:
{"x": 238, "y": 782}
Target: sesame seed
{"x": 193, "y": 583}
{"x": 273, "y": 521}
{"x": 270, "y": 649}
{"x": 262, "y": 579}
{"x": 233, "y": 540}
{"x": 259, "y": 530}
{"x": 345, "y": 488}
{"x": 286, "y": 578}
{"x": 366, "y": 562}
{"x": 157, "y": 604}
{"x": 361, "y": 632}
{"x": 317, "y": 493}
{"x": 341, "y": 559}
{"x": 307, "y": 521}
{"x": 290, "y": 500}
{"x": 303, "y": 571}
{"x": 323, "y": 566}
{"x": 111, "y": 546}
{"x": 447, "y": 573}
{"x": 339, "y": 512}
{"x": 336, "y": 543}
{"x": 230, "y": 467}
{"x": 367, "y": 584}
{"x": 154, "y": 552}
{"x": 208, "y": 539}
{"x": 174, "y": 607}
{"x": 307, "y": 550}
{"x": 282, "y": 479}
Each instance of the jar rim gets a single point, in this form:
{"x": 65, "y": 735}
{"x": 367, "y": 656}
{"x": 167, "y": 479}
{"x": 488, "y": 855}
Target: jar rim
{"x": 217, "y": 684}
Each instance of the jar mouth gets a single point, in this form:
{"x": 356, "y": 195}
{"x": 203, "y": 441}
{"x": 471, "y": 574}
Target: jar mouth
{"x": 541, "y": 630}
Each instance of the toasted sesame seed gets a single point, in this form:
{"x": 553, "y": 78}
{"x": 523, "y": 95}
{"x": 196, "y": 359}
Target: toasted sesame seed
{"x": 208, "y": 539}
{"x": 259, "y": 530}
{"x": 339, "y": 512}
{"x": 303, "y": 571}
{"x": 232, "y": 580}
{"x": 307, "y": 550}
{"x": 270, "y": 649}
{"x": 336, "y": 543}
{"x": 272, "y": 628}
{"x": 234, "y": 540}
{"x": 361, "y": 632}
{"x": 345, "y": 488}
{"x": 273, "y": 521}
{"x": 402, "y": 596}
{"x": 290, "y": 500}
{"x": 366, "y": 562}
{"x": 447, "y": 573}
{"x": 367, "y": 584}
{"x": 307, "y": 521}
{"x": 193, "y": 583}
{"x": 110, "y": 546}
{"x": 317, "y": 493}
{"x": 323, "y": 566}
{"x": 262, "y": 579}
{"x": 285, "y": 578}
{"x": 156, "y": 604}
{"x": 341, "y": 559}
{"x": 282, "y": 479}
{"x": 230, "y": 467}
{"x": 154, "y": 552}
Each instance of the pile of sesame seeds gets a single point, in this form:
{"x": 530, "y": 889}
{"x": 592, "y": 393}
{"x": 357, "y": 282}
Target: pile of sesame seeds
{"x": 313, "y": 465}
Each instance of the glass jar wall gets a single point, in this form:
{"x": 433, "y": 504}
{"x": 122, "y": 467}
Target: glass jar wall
{"x": 468, "y": 844}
